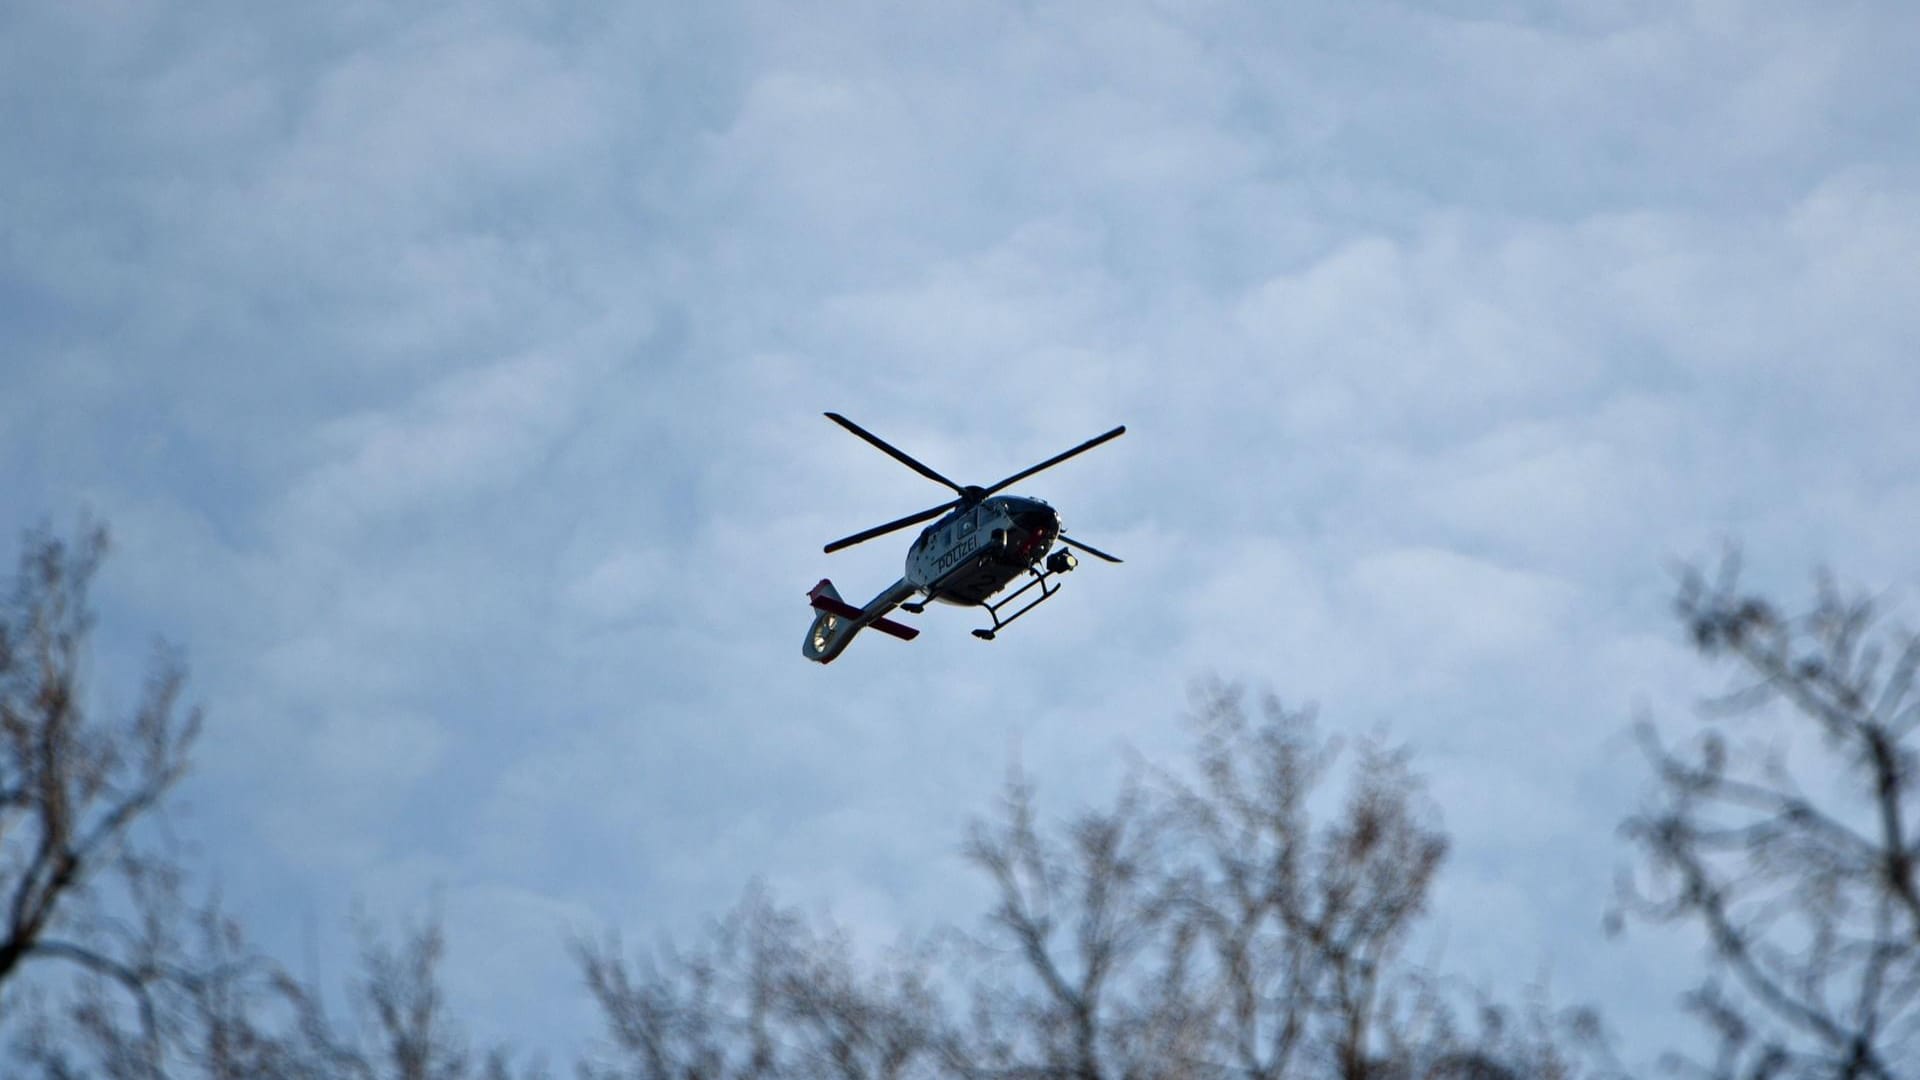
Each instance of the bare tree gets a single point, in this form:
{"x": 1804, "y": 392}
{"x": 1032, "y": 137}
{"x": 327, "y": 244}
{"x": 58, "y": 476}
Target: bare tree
{"x": 404, "y": 1028}
{"x": 1244, "y": 921}
{"x": 1787, "y": 831}
{"x": 1535, "y": 1040}
{"x": 1303, "y": 921}
{"x": 223, "y": 1011}
{"x": 105, "y": 968}
{"x": 74, "y": 787}
{"x": 767, "y": 995}
{"x": 1092, "y": 974}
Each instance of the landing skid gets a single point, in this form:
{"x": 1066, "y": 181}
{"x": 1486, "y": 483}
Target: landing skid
{"x": 993, "y": 610}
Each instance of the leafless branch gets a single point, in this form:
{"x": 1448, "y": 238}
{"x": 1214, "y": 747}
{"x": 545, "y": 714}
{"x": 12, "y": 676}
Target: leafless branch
{"x": 1811, "y": 905}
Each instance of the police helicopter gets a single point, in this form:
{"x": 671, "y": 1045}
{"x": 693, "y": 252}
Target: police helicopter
{"x": 981, "y": 544}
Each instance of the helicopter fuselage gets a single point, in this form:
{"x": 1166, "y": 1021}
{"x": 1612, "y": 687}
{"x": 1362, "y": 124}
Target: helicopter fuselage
{"x": 974, "y": 552}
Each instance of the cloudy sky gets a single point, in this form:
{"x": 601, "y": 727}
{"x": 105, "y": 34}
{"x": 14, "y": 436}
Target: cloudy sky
{"x": 451, "y": 375}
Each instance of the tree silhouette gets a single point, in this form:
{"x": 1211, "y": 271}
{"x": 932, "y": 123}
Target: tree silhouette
{"x": 105, "y": 968}
{"x": 1304, "y": 922}
{"x": 74, "y": 787}
{"x": 767, "y": 995}
{"x": 1786, "y": 831}
{"x": 1212, "y": 926}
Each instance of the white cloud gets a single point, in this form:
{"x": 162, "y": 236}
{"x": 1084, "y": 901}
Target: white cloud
{"x": 474, "y": 432}
{"x": 373, "y": 750}
{"x": 1451, "y": 611}
{"x": 624, "y": 583}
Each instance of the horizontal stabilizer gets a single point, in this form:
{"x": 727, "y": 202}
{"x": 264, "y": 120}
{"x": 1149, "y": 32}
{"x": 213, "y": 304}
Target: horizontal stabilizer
{"x": 899, "y": 630}
{"x": 836, "y": 606}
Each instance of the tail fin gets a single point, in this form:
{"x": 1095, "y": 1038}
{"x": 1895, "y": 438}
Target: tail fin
{"x": 830, "y": 631}
{"x": 836, "y": 621}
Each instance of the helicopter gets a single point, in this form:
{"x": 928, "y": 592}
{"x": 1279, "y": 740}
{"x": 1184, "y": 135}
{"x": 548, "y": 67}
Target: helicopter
{"x": 980, "y": 544}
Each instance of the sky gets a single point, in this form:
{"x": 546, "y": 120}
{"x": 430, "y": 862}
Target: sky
{"x": 450, "y": 377}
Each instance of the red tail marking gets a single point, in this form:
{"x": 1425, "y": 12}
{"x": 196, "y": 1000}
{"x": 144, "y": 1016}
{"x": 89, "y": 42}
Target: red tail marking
{"x": 828, "y": 604}
{"x": 837, "y": 607}
{"x": 899, "y": 630}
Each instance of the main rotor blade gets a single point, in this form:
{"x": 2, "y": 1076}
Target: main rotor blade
{"x": 882, "y": 530}
{"x": 893, "y": 452}
{"x": 1088, "y": 548}
{"x": 1058, "y": 458}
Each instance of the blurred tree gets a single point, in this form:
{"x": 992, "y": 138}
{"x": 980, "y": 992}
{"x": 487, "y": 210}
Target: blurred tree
{"x": 73, "y": 878}
{"x": 1304, "y": 924}
{"x": 404, "y": 1028}
{"x": 1212, "y": 928}
{"x": 768, "y": 995}
{"x": 1215, "y": 928}
{"x": 1787, "y": 831}
{"x": 1087, "y": 972}
{"x": 105, "y": 969}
